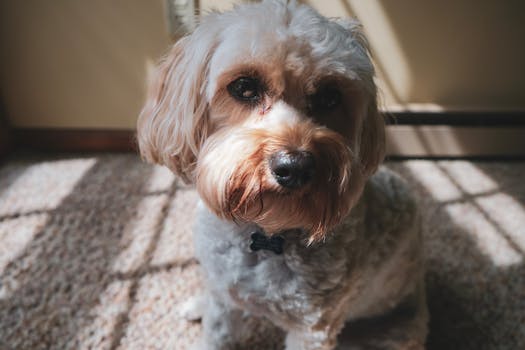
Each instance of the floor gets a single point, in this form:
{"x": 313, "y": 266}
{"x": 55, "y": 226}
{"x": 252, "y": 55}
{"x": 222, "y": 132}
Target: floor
{"x": 96, "y": 253}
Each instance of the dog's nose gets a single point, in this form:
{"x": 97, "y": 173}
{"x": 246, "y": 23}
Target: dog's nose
{"x": 292, "y": 169}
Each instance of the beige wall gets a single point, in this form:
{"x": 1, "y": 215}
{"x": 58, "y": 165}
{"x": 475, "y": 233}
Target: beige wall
{"x": 78, "y": 64}
{"x": 83, "y": 64}
{"x": 466, "y": 54}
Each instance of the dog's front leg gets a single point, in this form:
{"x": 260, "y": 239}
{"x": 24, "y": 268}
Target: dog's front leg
{"x": 222, "y": 326}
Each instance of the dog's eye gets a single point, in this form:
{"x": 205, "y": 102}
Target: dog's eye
{"x": 245, "y": 89}
{"x": 325, "y": 99}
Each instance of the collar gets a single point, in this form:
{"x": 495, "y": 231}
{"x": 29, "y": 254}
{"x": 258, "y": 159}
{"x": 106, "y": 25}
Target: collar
{"x": 260, "y": 241}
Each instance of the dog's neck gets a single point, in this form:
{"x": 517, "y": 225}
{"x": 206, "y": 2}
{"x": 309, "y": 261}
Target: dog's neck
{"x": 260, "y": 240}
{"x": 277, "y": 242}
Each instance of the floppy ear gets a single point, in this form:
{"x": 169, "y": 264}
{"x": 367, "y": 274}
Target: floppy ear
{"x": 372, "y": 138}
{"x": 173, "y": 123}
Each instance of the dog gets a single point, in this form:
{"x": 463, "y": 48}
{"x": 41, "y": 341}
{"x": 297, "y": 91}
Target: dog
{"x": 270, "y": 110}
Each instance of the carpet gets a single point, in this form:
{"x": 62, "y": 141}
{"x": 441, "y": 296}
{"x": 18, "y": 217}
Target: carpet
{"x": 96, "y": 253}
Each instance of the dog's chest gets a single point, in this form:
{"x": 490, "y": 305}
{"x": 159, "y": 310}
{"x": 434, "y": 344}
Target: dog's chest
{"x": 295, "y": 282}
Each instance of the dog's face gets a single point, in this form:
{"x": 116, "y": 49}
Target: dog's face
{"x": 270, "y": 110}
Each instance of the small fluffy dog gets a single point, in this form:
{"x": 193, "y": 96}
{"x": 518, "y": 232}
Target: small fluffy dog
{"x": 270, "y": 110}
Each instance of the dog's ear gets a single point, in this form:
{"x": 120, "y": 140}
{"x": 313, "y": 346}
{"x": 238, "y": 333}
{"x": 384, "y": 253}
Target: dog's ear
{"x": 174, "y": 123}
{"x": 372, "y": 144}
{"x": 372, "y": 138}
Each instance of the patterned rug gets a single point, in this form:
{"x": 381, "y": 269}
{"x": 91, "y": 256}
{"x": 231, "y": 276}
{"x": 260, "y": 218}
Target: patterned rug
{"x": 96, "y": 253}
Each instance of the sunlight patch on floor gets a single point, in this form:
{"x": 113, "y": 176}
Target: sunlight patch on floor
{"x": 139, "y": 233}
{"x": 435, "y": 182}
{"x": 154, "y": 316}
{"x": 175, "y": 240}
{"x": 113, "y": 302}
{"x": 161, "y": 179}
{"x": 507, "y": 213}
{"x": 15, "y": 236}
{"x": 43, "y": 186}
{"x": 469, "y": 178}
{"x": 472, "y": 199}
{"x": 25, "y": 205}
{"x": 488, "y": 238}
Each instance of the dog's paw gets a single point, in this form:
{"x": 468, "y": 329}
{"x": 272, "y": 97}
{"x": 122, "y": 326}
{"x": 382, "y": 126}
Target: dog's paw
{"x": 197, "y": 344}
{"x": 193, "y": 308}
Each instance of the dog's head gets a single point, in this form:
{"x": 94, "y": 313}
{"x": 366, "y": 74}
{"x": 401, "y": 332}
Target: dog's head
{"x": 270, "y": 109}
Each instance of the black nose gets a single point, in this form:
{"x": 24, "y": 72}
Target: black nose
{"x": 292, "y": 169}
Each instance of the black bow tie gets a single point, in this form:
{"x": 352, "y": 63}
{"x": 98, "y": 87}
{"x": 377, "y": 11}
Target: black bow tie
{"x": 261, "y": 241}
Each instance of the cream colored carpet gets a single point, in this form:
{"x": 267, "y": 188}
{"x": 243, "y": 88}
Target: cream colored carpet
{"x": 96, "y": 253}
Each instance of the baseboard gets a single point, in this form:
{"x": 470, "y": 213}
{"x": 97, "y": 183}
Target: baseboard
{"x": 409, "y": 134}
{"x": 465, "y": 118}
{"x": 5, "y": 135}
{"x": 428, "y": 141}
{"x": 74, "y": 140}
{"x": 5, "y": 143}
{"x": 456, "y": 134}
